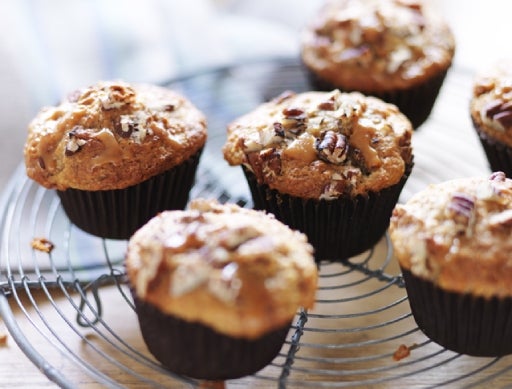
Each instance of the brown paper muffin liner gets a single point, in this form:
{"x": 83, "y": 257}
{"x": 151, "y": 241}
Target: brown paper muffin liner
{"x": 197, "y": 351}
{"x": 117, "y": 214}
{"x": 498, "y": 154}
{"x": 415, "y": 102}
{"x": 337, "y": 229}
{"x": 460, "y": 322}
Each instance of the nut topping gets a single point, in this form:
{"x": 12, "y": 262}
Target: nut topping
{"x": 332, "y": 147}
{"x": 498, "y": 176}
{"x": 77, "y": 137}
{"x": 499, "y": 111}
{"x": 278, "y": 129}
{"x": 294, "y": 121}
{"x": 328, "y": 105}
{"x": 116, "y": 96}
{"x": 294, "y": 113}
{"x": 132, "y": 127}
{"x": 272, "y": 159}
{"x": 462, "y": 206}
{"x": 283, "y": 96}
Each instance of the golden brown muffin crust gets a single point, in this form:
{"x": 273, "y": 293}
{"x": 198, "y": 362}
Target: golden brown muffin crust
{"x": 236, "y": 270}
{"x": 112, "y": 135}
{"x": 491, "y": 103}
{"x": 458, "y": 235}
{"x": 322, "y": 145}
{"x": 377, "y": 45}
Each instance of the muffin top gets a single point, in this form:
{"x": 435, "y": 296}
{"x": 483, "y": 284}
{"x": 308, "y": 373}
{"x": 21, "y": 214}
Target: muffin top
{"x": 379, "y": 44}
{"x": 239, "y": 271}
{"x": 112, "y": 135}
{"x": 322, "y": 145}
{"x": 491, "y": 103}
{"x": 457, "y": 235}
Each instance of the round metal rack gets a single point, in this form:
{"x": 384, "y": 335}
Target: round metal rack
{"x": 71, "y": 313}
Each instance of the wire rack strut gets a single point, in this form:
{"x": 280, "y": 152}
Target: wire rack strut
{"x": 71, "y": 312}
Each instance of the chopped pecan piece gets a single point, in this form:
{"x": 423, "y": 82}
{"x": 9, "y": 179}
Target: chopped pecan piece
{"x": 278, "y": 129}
{"x": 294, "y": 121}
{"x": 272, "y": 160}
{"x": 126, "y": 126}
{"x": 117, "y": 96}
{"x": 41, "y": 162}
{"x": 132, "y": 127}
{"x": 499, "y": 110}
{"x": 504, "y": 118}
{"x": 294, "y": 113}
{"x": 42, "y": 244}
{"x": 74, "y": 96}
{"x": 401, "y": 352}
{"x": 283, "y": 96}
{"x": 462, "y": 208}
{"x": 361, "y": 53}
{"x": 334, "y": 189}
{"x": 332, "y": 147}
{"x": 497, "y": 176}
{"x": 357, "y": 158}
{"x": 328, "y": 105}
{"x": 77, "y": 137}
{"x": 3, "y": 339}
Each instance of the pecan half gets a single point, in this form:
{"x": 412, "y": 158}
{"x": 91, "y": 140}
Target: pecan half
{"x": 332, "y": 147}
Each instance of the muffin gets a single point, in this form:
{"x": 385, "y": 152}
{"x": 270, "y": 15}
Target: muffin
{"x": 117, "y": 154}
{"x": 216, "y": 287}
{"x": 329, "y": 164}
{"x": 452, "y": 241}
{"x": 491, "y": 114}
{"x": 397, "y": 50}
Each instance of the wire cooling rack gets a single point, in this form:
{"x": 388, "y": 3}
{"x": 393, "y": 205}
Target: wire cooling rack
{"x": 71, "y": 313}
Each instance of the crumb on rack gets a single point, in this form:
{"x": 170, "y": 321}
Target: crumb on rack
{"x": 3, "y": 339}
{"x": 212, "y": 385}
{"x": 402, "y": 352}
{"x": 42, "y": 244}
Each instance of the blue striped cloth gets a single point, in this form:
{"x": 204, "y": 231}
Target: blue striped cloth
{"x": 51, "y": 47}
